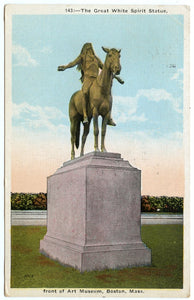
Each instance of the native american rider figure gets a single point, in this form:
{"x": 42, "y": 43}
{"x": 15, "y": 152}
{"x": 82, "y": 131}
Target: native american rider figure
{"x": 89, "y": 65}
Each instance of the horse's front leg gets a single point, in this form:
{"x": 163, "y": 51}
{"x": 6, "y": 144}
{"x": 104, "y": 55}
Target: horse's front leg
{"x": 103, "y": 131}
{"x": 96, "y": 130}
{"x": 84, "y": 136}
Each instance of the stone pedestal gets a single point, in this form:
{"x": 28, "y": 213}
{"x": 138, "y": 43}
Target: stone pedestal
{"x": 94, "y": 214}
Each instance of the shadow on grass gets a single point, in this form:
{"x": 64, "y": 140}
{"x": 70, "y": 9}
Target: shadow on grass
{"x": 30, "y": 269}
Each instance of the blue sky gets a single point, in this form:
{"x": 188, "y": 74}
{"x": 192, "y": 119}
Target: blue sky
{"x": 151, "y": 59}
{"x": 148, "y": 108}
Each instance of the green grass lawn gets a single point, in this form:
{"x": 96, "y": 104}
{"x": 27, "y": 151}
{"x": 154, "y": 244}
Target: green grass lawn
{"x": 30, "y": 269}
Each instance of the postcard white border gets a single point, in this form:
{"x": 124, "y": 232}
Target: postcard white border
{"x": 56, "y": 9}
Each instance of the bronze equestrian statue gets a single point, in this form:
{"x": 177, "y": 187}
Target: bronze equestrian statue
{"x": 95, "y": 97}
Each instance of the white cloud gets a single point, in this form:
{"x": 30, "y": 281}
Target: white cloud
{"x": 37, "y": 117}
{"x": 161, "y": 95}
{"x": 46, "y": 50}
{"x": 125, "y": 108}
{"x": 140, "y": 118}
{"x": 23, "y": 57}
{"x": 155, "y": 95}
{"x": 178, "y": 76}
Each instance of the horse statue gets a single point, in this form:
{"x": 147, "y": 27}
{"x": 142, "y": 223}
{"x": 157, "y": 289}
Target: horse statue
{"x": 99, "y": 103}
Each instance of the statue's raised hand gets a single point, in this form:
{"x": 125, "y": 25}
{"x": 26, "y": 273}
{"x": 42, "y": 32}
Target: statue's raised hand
{"x": 61, "y": 68}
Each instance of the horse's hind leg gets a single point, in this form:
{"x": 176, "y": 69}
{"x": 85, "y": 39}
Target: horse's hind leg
{"x": 103, "y": 131}
{"x": 73, "y": 137}
{"x": 96, "y": 130}
{"x": 84, "y": 136}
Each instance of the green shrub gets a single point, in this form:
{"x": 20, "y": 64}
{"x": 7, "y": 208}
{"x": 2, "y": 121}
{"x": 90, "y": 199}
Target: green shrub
{"x": 161, "y": 204}
{"x": 27, "y": 201}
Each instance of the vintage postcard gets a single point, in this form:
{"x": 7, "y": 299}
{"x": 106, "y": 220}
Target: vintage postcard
{"x": 97, "y": 150}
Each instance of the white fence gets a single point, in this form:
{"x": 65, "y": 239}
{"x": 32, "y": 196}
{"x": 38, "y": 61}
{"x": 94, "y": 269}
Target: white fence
{"x": 39, "y": 217}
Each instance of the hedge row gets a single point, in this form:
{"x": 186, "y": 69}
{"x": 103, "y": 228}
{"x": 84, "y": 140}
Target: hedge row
{"x": 161, "y": 204}
{"x": 26, "y": 201}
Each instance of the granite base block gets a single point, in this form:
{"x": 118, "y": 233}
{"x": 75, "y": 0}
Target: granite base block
{"x": 94, "y": 214}
{"x": 109, "y": 257}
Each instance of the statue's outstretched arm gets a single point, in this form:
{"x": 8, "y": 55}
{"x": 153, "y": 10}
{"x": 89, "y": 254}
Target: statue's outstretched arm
{"x": 70, "y": 65}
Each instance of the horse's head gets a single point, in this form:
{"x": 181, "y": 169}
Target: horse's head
{"x": 113, "y": 60}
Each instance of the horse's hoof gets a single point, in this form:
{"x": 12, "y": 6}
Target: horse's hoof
{"x": 104, "y": 150}
{"x": 72, "y": 157}
{"x": 81, "y": 154}
{"x": 96, "y": 150}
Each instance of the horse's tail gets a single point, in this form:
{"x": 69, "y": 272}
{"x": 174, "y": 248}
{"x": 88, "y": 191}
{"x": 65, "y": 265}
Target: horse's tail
{"x": 77, "y": 134}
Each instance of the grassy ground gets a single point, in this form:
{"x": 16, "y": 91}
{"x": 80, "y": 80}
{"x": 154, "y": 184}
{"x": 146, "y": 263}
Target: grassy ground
{"x": 32, "y": 269}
